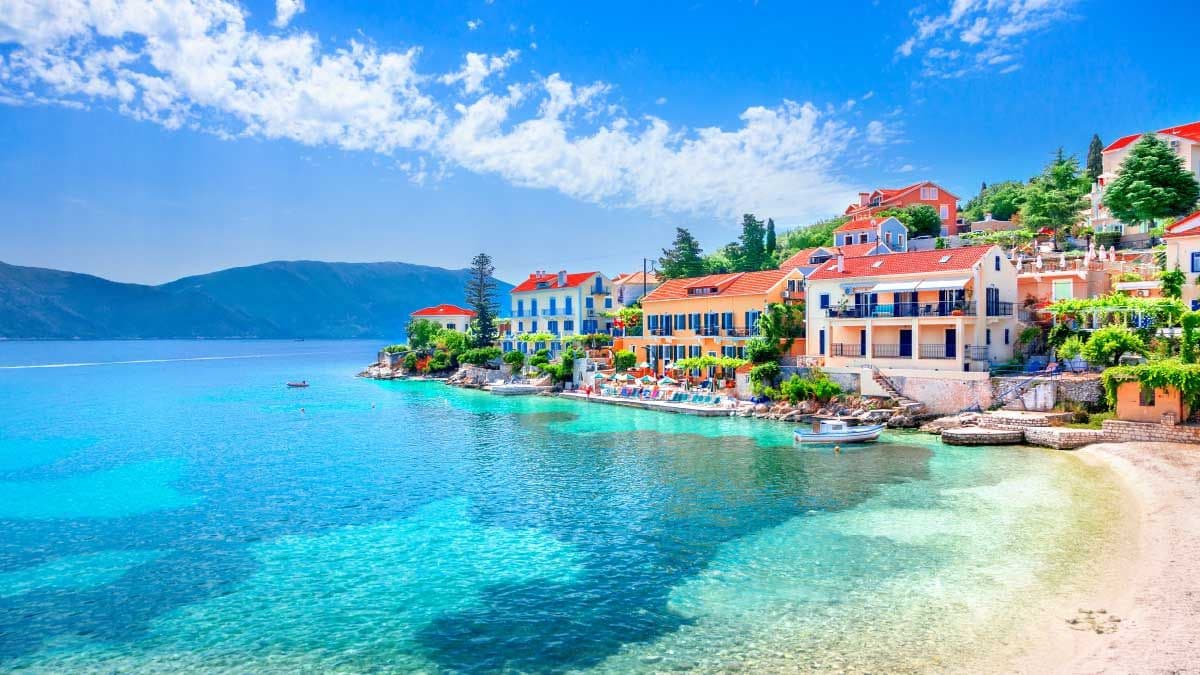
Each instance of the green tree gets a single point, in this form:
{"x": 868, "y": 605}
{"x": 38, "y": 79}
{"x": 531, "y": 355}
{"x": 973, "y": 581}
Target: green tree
{"x": 624, "y": 360}
{"x": 422, "y": 333}
{"x": 1107, "y": 345}
{"x": 751, "y": 247}
{"x": 920, "y": 219}
{"x": 481, "y": 293}
{"x": 722, "y": 261}
{"x": 1055, "y": 198}
{"x": 816, "y": 234}
{"x": 1095, "y": 159}
{"x": 684, "y": 258}
{"x": 1172, "y": 282}
{"x": 515, "y": 359}
{"x": 771, "y": 243}
{"x": 1001, "y": 200}
{"x": 1151, "y": 183}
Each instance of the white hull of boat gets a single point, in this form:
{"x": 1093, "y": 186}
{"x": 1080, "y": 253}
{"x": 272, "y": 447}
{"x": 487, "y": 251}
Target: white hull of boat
{"x": 515, "y": 389}
{"x": 862, "y": 434}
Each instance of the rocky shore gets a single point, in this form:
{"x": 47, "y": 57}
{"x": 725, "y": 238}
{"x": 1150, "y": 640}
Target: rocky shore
{"x": 866, "y": 409}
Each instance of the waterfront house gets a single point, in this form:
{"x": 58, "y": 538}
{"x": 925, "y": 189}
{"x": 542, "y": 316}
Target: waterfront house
{"x": 559, "y": 305}
{"x": 949, "y": 309}
{"x": 1137, "y": 402}
{"x": 712, "y": 315}
{"x": 447, "y": 316}
{"x": 1183, "y": 249}
{"x": 1060, "y": 279}
{"x": 1183, "y": 139}
{"x": 628, "y": 289}
{"x": 925, "y": 192}
{"x": 889, "y": 232}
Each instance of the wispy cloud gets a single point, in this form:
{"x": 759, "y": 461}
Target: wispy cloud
{"x": 285, "y": 10}
{"x": 974, "y": 36}
{"x": 197, "y": 65}
{"x": 474, "y": 24}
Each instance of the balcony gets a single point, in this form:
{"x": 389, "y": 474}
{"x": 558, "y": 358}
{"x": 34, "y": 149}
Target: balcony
{"x": 1000, "y": 309}
{"x": 741, "y": 332}
{"x": 905, "y": 310}
{"x": 978, "y": 353}
{"x": 845, "y": 349}
{"x": 937, "y": 351}
{"x": 891, "y": 351}
{"x": 708, "y": 331}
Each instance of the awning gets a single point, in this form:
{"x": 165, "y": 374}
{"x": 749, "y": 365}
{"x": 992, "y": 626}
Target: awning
{"x": 895, "y": 287}
{"x": 942, "y": 284}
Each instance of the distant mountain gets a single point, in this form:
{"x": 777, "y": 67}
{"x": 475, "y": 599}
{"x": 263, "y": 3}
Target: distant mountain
{"x": 285, "y": 299}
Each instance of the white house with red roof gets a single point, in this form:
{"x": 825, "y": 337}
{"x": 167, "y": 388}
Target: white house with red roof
{"x": 447, "y": 316}
{"x": 1183, "y": 249}
{"x": 631, "y": 287}
{"x": 925, "y": 192}
{"x": 1184, "y": 139}
{"x": 945, "y": 309}
{"x": 563, "y": 305}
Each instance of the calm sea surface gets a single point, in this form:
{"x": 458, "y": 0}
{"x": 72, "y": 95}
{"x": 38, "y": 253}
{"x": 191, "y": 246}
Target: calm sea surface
{"x": 167, "y": 506}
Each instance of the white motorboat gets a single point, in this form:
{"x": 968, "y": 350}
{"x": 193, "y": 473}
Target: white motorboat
{"x": 837, "y": 431}
{"x": 515, "y": 389}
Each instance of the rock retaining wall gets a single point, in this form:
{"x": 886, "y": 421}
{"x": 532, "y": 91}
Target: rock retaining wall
{"x": 1088, "y": 391}
{"x": 1123, "y": 432}
{"x": 1061, "y": 438}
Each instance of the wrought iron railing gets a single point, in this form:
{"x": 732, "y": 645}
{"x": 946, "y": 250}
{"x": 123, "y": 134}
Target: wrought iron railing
{"x": 891, "y": 351}
{"x": 937, "y": 351}
{"x": 846, "y": 349}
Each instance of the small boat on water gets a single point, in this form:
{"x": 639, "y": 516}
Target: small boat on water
{"x": 298, "y": 385}
{"x": 837, "y": 431}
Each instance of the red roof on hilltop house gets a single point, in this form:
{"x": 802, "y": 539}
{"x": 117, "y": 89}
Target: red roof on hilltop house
{"x": 916, "y": 262}
{"x": 1188, "y": 226}
{"x": 444, "y": 310}
{"x": 887, "y": 195}
{"x": 737, "y": 283}
{"x": 636, "y": 278}
{"x": 551, "y": 280}
{"x": 1189, "y": 131}
{"x": 868, "y": 224}
{"x": 799, "y": 258}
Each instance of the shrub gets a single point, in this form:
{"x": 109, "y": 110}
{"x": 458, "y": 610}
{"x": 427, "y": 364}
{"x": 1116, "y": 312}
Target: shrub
{"x": 624, "y": 360}
{"x": 395, "y": 349}
{"x": 1058, "y": 334}
{"x": 438, "y": 362}
{"x": 410, "y": 361}
{"x": 480, "y": 355}
{"x": 796, "y": 389}
{"x": 765, "y": 375}
{"x": 1070, "y": 348}
{"x": 1107, "y": 345}
{"x": 761, "y": 350}
{"x": 1172, "y": 283}
{"x": 1187, "y": 349}
{"x": 515, "y": 359}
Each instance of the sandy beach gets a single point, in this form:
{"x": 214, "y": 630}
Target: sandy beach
{"x": 1144, "y": 616}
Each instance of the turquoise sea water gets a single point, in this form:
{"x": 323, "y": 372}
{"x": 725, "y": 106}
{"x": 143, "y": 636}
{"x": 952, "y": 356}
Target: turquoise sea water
{"x": 167, "y": 506}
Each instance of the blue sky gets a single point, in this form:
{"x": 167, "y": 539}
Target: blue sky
{"x": 151, "y": 140}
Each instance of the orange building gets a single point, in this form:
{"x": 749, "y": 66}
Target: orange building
{"x": 709, "y": 316}
{"x": 926, "y": 192}
{"x": 1138, "y": 403}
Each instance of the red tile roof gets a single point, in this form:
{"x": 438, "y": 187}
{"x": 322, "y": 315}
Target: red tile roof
{"x": 799, "y": 258}
{"x": 551, "y": 280}
{"x": 915, "y": 262}
{"x": 1190, "y": 131}
{"x": 738, "y": 283}
{"x": 444, "y": 310}
{"x": 858, "y": 250}
{"x": 868, "y": 224}
{"x": 636, "y": 278}
{"x": 889, "y": 194}
{"x": 1188, "y": 226}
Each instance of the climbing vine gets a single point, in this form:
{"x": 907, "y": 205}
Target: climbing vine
{"x": 1157, "y": 374}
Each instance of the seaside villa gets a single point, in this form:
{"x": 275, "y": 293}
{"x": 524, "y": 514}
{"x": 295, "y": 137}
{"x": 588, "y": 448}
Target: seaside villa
{"x": 1184, "y": 141}
{"x": 451, "y": 317}
{"x": 925, "y": 192}
{"x": 558, "y": 305}
{"x": 630, "y": 288}
{"x": 712, "y": 315}
{"x": 949, "y": 309}
{"x": 1183, "y": 249}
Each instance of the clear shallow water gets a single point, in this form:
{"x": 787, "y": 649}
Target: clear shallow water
{"x": 182, "y": 513}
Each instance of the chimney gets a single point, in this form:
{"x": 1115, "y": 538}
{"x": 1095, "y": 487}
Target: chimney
{"x": 987, "y": 216}
{"x": 562, "y": 277}
{"x": 864, "y": 198}
{"x": 841, "y": 263}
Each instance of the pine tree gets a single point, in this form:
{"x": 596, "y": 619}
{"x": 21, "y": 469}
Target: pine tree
{"x": 481, "y": 290}
{"x": 683, "y": 259}
{"x": 1150, "y": 184}
{"x": 771, "y": 244}
{"x": 1095, "y": 158}
{"x": 1055, "y": 198}
{"x": 751, "y": 246}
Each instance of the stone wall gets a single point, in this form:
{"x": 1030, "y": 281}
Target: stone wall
{"x": 851, "y": 383}
{"x": 944, "y": 395}
{"x": 1088, "y": 391}
{"x": 1061, "y": 438}
{"x": 1121, "y": 431}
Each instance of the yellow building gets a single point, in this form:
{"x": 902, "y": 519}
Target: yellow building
{"x": 709, "y": 316}
{"x": 948, "y": 309}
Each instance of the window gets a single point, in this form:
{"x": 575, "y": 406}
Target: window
{"x": 520, "y": 326}
{"x": 589, "y": 302}
{"x": 680, "y": 321}
{"x": 997, "y": 263}
{"x": 821, "y": 341}
{"x": 900, "y": 240}
{"x": 887, "y": 237}
{"x": 567, "y": 305}
{"x": 987, "y": 336}
{"x": 532, "y": 326}
{"x": 944, "y": 212}
{"x": 1005, "y": 336}
{"x": 862, "y": 238}
{"x": 877, "y": 264}
{"x": 944, "y": 259}
{"x": 1146, "y": 396}
{"x": 608, "y": 302}
{"x": 450, "y": 326}
{"x": 552, "y": 326}
{"x": 1196, "y": 261}
{"x": 520, "y": 308}
{"x": 824, "y": 301}
{"x": 569, "y": 325}
{"x": 929, "y": 194}
{"x": 1063, "y": 290}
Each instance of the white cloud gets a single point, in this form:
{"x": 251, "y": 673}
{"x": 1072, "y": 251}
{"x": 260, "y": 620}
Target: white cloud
{"x": 474, "y": 24}
{"x": 196, "y": 65}
{"x": 285, "y": 10}
{"x": 533, "y": 46}
{"x": 661, "y": 100}
{"x": 477, "y": 68}
{"x": 974, "y": 36}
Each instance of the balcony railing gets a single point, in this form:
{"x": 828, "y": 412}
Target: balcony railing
{"x": 937, "y": 351}
{"x": 845, "y": 349}
{"x": 1000, "y": 309}
{"x": 889, "y": 351}
{"x": 978, "y": 353}
{"x": 709, "y": 331}
{"x": 741, "y": 332}
{"x": 903, "y": 310}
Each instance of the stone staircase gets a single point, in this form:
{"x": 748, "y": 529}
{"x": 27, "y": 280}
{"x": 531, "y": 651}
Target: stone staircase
{"x": 906, "y": 405}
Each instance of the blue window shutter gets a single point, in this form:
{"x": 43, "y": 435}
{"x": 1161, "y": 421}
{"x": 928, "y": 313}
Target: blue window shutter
{"x": 987, "y": 334}
{"x": 821, "y": 340}
{"x": 824, "y": 301}
{"x": 1005, "y": 336}
{"x": 997, "y": 263}
{"x": 1196, "y": 261}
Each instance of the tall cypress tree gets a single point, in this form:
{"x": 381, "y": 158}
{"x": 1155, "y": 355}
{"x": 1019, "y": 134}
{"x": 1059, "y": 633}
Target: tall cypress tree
{"x": 1095, "y": 158}
{"x": 481, "y": 290}
{"x": 771, "y": 244}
